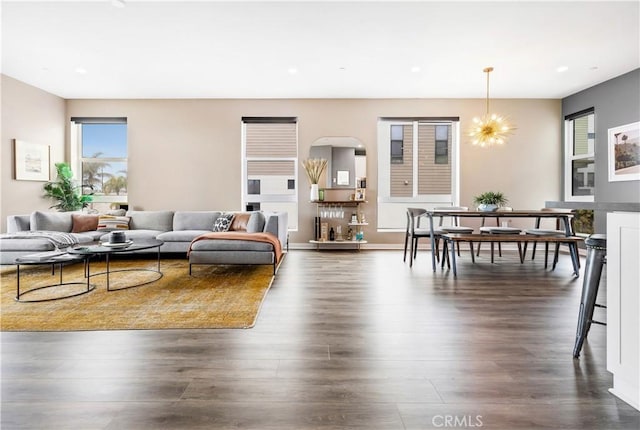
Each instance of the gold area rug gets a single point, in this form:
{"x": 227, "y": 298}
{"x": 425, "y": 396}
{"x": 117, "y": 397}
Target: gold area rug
{"x": 214, "y": 297}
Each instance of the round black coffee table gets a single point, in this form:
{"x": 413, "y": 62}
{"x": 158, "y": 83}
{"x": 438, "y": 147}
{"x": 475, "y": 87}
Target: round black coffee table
{"x": 107, "y": 250}
{"x": 60, "y": 259}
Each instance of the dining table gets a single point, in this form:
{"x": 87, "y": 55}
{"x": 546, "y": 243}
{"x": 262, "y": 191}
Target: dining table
{"x": 562, "y": 215}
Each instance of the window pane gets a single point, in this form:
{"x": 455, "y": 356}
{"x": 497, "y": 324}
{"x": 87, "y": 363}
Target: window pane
{"x": 583, "y": 177}
{"x": 396, "y": 132}
{"x": 583, "y": 135}
{"x": 434, "y": 171}
{"x": 108, "y": 179}
{"x": 104, "y": 140}
{"x": 401, "y": 170}
{"x": 253, "y": 186}
{"x": 442, "y": 132}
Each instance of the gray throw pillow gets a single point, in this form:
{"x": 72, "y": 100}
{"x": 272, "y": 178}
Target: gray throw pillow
{"x": 256, "y": 223}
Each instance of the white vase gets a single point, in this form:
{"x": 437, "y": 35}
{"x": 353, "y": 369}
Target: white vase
{"x": 314, "y": 195}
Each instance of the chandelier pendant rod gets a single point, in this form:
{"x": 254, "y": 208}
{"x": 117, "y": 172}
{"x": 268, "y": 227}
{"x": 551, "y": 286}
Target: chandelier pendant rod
{"x": 487, "y": 71}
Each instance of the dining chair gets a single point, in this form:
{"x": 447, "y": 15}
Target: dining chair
{"x": 414, "y": 232}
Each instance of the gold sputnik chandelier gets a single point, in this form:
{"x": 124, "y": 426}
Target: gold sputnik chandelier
{"x": 490, "y": 129}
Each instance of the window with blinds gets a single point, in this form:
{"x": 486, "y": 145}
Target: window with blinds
{"x": 580, "y": 156}
{"x": 269, "y": 164}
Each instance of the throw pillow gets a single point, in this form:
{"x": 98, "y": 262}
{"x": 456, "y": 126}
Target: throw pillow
{"x": 80, "y": 223}
{"x": 240, "y": 221}
{"x": 256, "y": 222}
{"x": 223, "y": 222}
{"x": 111, "y": 222}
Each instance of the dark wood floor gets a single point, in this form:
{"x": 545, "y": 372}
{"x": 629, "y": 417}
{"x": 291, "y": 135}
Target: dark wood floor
{"x": 344, "y": 340}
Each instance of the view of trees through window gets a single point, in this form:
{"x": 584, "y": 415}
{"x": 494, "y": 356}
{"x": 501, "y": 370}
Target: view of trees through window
{"x": 104, "y": 158}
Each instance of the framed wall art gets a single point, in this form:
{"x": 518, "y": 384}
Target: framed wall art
{"x": 624, "y": 152}
{"x": 31, "y": 161}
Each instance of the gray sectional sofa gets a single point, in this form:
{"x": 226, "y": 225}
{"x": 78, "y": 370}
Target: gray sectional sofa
{"x": 175, "y": 228}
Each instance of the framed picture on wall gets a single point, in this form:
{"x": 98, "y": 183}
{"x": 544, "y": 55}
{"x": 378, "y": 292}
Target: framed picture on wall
{"x": 31, "y": 161}
{"x": 624, "y": 152}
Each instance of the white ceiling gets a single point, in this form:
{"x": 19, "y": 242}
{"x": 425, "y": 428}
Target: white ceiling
{"x": 238, "y": 49}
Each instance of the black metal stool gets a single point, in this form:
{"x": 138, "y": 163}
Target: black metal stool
{"x": 596, "y": 257}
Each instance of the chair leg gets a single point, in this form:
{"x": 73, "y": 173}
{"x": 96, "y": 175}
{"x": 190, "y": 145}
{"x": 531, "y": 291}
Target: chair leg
{"x": 478, "y": 253}
{"x": 412, "y": 251}
{"x": 491, "y": 252}
{"x": 473, "y": 258}
{"x": 533, "y": 251}
{"x": 499, "y": 249}
{"x": 406, "y": 242}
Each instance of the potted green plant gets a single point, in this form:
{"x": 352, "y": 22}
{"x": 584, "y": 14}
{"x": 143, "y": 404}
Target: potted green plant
{"x": 66, "y": 191}
{"x": 490, "y": 201}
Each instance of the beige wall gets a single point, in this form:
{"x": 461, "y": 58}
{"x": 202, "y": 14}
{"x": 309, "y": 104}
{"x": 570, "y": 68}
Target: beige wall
{"x": 35, "y": 116}
{"x": 185, "y": 154}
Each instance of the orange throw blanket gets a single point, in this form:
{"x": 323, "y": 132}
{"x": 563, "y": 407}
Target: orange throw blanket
{"x": 241, "y": 235}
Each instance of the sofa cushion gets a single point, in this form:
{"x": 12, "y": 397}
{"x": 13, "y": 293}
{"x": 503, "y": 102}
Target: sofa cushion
{"x": 51, "y": 221}
{"x": 111, "y": 223}
{"x": 256, "y": 222}
{"x": 240, "y": 221}
{"x": 181, "y": 235}
{"x": 194, "y": 220}
{"x": 231, "y": 245}
{"x": 223, "y": 222}
{"x": 151, "y": 220}
{"x": 81, "y": 222}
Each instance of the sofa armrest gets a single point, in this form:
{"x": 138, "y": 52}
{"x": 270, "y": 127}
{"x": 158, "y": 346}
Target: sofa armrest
{"x": 277, "y": 223}
{"x": 17, "y": 223}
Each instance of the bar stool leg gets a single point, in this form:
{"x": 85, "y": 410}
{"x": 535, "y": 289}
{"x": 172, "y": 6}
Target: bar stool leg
{"x": 596, "y": 257}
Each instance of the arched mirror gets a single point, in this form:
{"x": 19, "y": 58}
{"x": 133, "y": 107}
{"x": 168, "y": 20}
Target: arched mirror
{"x": 346, "y": 161}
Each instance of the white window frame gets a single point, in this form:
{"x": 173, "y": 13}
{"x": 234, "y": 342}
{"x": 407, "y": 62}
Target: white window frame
{"x": 391, "y": 210}
{"x": 76, "y": 158}
{"x": 570, "y": 158}
{"x": 269, "y": 198}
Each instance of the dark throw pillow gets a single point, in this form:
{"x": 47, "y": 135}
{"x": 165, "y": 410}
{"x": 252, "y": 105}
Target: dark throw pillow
{"x": 223, "y": 222}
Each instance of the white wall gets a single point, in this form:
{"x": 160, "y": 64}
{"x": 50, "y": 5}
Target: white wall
{"x": 35, "y": 116}
{"x": 185, "y": 154}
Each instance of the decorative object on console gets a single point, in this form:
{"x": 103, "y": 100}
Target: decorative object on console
{"x": 314, "y": 168}
{"x": 490, "y": 201}
{"x": 65, "y": 190}
{"x": 491, "y": 128}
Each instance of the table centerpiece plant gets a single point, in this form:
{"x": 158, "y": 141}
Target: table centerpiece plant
{"x": 490, "y": 201}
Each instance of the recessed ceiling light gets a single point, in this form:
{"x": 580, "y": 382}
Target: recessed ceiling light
{"x": 118, "y": 3}
{"x": 415, "y": 69}
{"x": 593, "y": 68}
{"x": 342, "y": 68}
{"x": 81, "y": 70}
{"x": 292, "y": 70}
{"x": 562, "y": 69}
